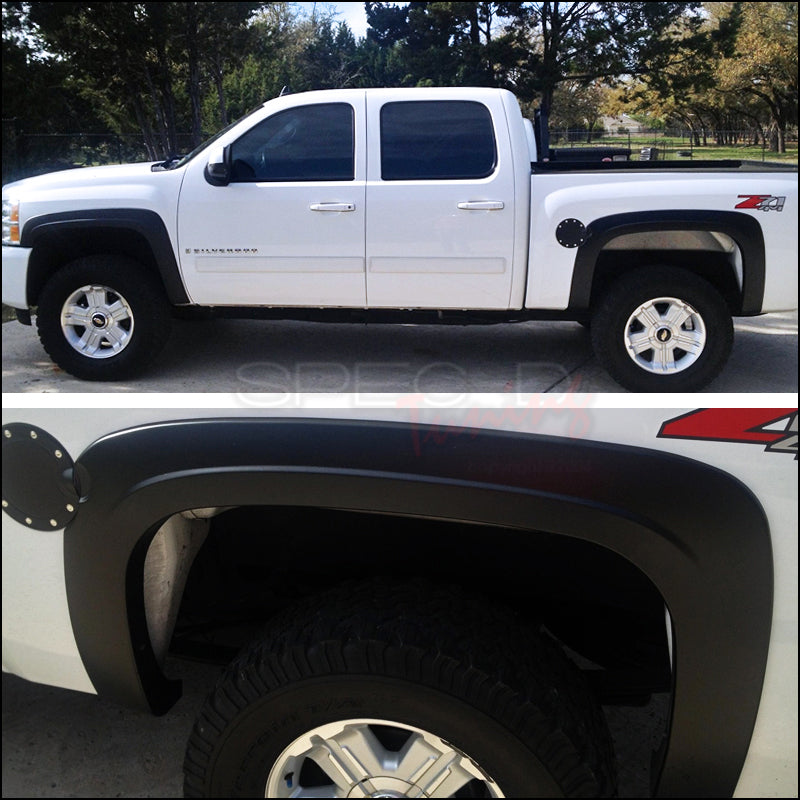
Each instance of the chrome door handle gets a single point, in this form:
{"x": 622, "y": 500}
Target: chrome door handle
{"x": 333, "y": 206}
{"x": 482, "y": 205}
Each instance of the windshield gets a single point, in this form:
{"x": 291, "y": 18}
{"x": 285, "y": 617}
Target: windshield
{"x": 199, "y": 149}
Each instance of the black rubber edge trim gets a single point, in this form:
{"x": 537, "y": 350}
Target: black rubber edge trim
{"x": 742, "y": 228}
{"x": 147, "y": 223}
{"x": 695, "y": 531}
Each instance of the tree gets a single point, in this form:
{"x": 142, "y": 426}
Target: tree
{"x": 586, "y": 42}
{"x": 440, "y": 44}
{"x": 143, "y": 62}
{"x": 764, "y": 65}
{"x": 532, "y": 48}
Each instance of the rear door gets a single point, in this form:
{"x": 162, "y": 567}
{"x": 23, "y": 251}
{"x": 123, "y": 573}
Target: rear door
{"x": 440, "y": 193}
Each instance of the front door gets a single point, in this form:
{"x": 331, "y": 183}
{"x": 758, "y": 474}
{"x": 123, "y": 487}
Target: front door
{"x": 288, "y": 230}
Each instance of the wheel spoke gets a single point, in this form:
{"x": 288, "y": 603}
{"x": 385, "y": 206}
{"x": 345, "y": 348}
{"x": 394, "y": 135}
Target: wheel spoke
{"x": 118, "y": 311}
{"x": 116, "y": 336}
{"x": 648, "y": 316}
{"x": 339, "y": 764}
{"x": 663, "y": 359}
{"x": 360, "y": 744}
{"x": 677, "y": 314}
{"x": 90, "y": 342}
{"x": 444, "y": 777}
{"x": 640, "y": 343}
{"x": 96, "y": 296}
{"x": 77, "y": 315}
{"x": 414, "y": 758}
{"x": 690, "y": 341}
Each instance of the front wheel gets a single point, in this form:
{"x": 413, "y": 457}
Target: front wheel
{"x": 385, "y": 690}
{"x": 103, "y": 317}
{"x": 662, "y": 329}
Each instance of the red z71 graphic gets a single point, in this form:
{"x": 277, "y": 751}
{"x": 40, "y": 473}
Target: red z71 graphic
{"x": 776, "y": 428}
{"x": 761, "y": 202}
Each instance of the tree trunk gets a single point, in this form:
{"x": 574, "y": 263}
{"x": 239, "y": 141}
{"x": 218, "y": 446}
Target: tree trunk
{"x": 193, "y": 87}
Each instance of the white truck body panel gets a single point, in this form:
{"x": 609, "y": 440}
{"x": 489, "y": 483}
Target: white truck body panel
{"x": 575, "y": 195}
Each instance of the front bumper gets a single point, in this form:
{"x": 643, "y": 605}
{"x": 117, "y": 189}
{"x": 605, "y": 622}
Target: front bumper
{"x": 15, "y": 276}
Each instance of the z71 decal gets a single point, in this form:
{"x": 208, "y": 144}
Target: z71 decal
{"x": 761, "y": 202}
{"x": 774, "y": 428}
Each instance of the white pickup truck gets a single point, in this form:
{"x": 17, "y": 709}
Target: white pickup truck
{"x": 430, "y": 603}
{"x": 412, "y": 205}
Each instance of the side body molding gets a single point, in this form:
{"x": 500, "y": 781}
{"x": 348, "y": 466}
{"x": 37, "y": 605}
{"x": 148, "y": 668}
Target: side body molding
{"x": 143, "y": 221}
{"x": 743, "y": 229}
{"x": 696, "y": 532}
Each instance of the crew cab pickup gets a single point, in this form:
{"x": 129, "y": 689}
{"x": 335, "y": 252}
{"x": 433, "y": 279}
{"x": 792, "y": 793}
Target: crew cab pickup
{"x": 412, "y": 205}
{"x": 424, "y": 602}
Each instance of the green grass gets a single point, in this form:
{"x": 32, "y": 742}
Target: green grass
{"x": 669, "y": 146}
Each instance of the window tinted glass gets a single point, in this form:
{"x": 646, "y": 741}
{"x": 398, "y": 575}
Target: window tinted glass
{"x": 426, "y": 140}
{"x": 308, "y": 143}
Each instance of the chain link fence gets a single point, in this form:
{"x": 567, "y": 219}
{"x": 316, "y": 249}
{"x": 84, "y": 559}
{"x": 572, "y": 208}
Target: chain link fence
{"x": 649, "y": 145}
{"x": 26, "y": 154}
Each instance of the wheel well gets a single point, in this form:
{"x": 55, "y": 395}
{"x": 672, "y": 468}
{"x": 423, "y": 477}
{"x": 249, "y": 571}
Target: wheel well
{"x": 257, "y": 560}
{"x": 713, "y": 256}
{"x": 57, "y": 248}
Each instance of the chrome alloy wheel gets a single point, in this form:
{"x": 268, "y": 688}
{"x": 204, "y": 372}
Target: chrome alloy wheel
{"x": 665, "y": 335}
{"x": 375, "y": 758}
{"x": 97, "y": 321}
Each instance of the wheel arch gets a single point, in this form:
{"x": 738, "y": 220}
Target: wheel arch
{"x": 595, "y": 265}
{"x": 710, "y": 558}
{"x": 137, "y": 233}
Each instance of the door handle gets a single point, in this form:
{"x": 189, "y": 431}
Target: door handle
{"x": 482, "y": 205}
{"x": 333, "y": 206}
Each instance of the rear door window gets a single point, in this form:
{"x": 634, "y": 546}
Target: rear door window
{"x": 437, "y": 140}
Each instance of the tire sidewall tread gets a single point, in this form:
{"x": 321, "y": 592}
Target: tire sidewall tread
{"x": 636, "y": 287}
{"x": 141, "y": 290}
{"x": 511, "y": 686}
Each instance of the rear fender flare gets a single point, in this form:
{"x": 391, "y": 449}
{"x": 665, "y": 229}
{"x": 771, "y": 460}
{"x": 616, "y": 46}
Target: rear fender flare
{"x": 696, "y": 532}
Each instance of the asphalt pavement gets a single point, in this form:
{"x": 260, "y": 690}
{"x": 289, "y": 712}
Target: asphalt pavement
{"x": 288, "y": 358}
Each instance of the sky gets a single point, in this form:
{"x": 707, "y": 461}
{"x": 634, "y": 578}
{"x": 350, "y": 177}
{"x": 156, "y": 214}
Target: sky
{"x": 351, "y": 13}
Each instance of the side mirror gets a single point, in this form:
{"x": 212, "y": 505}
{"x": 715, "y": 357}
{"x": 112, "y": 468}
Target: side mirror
{"x": 218, "y": 171}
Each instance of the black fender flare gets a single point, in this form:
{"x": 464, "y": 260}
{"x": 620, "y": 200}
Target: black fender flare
{"x": 146, "y": 223}
{"x": 699, "y": 535}
{"x": 742, "y": 228}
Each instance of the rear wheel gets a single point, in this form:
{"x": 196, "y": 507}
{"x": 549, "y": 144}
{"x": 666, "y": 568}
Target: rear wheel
{"x": 388, "y": 690}
{"x": 103, "y": 317}
{"x": 662, "y": 329}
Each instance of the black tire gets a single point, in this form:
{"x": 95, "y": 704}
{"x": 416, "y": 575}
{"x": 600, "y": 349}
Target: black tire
{"x": 662, "y": 365}
{"x": 417, "y": 663}
{"x": 127, "y": 306}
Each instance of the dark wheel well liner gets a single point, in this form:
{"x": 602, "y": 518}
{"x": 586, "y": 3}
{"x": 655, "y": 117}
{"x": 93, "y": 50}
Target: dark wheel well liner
{"x": 147, "y": 224}
{"x": 742, "y": 228}
{"x": 709, "y": 554}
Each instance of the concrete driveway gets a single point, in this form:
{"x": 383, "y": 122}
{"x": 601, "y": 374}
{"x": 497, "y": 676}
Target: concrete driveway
{"x": 288, "y": 358}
